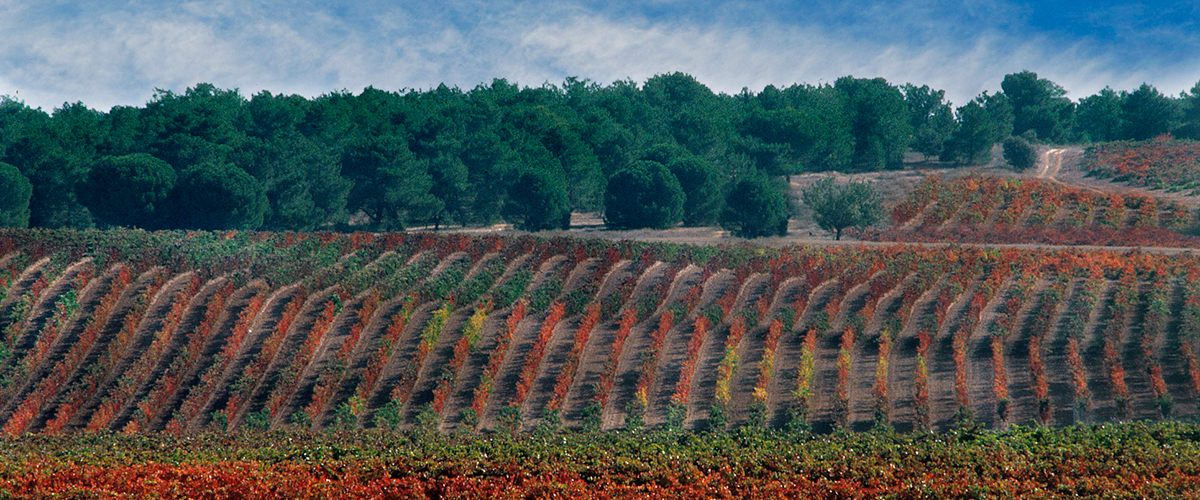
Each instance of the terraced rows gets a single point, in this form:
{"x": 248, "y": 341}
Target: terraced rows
{"x": 488, "y": 334}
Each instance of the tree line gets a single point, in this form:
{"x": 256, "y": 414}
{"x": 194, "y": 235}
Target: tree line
{"x": 665, "y": 152}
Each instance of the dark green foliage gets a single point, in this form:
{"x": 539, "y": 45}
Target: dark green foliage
{"x": 836, "y": 206}
{"x": 644, "y": 194}
{"x": 391, "y": 416}
{"x": 382, "y": 160}
{"x": 931, "y": 119}
{"x": 1098, "y": 117}
{"x": 701, "y": 187}
{"x": 15, "y": 191}
{"x": 1148, "y": 113}
{"x": 589, "y": 418}
{"x": 1039, "y": 106}
{"x": 879, "y": 120}
{"x": 131, "y": 190}
{"x": 217, "y": 196}
{"x": 537, "y": 201}
{"x": 1019, "y": 154}
{"x": 755, "y": 207}
{"x": 390, "y": 186}
{"x": 981, "y": 123}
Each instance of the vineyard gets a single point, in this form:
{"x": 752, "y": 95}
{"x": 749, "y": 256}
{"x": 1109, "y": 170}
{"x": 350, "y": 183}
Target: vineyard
{"x": 991, "y": 209}
{"x": 179, "y": 333}
{"x": 1160, "y": 164}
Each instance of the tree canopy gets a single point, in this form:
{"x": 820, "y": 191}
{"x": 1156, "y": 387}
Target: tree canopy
{"x": 836, "y": 206}
{"x": 757, "y": 206}
{"x": 382, "y": 160}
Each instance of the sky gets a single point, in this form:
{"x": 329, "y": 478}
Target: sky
{"x": 107, "y": 53}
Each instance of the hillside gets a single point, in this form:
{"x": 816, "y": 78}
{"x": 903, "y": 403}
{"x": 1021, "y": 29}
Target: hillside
{"x": 183, "y": 332}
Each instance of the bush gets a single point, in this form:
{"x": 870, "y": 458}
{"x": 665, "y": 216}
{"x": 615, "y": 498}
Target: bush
{"x": 1019, "y": 154}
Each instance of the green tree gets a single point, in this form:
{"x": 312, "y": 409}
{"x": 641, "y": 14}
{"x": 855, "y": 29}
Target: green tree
{"x": 701, "y": 189}
{"x": 537, "y": 201}
{"x": 878, "y": 120}
{"x": 1148, "y": 113}
{"x": 1098, "y": 117}
{"x": 15, "y": 190}
{"x": 644, "y": 194}
{"x": 931, "y": 119}
{"x": 981, "y": 123}
{"x": 132, "y": 190}
{"x": 304, "y": 186}
{"x": 390, "y": 186}
{"x": 836, "y": 206}
{"x": 757, "y": 206}
{"x": 218, "y": 196}
{"x": 1189, "y": 104}
{"x": 1038, "y": 104}
{"x": 1019, "y": 153}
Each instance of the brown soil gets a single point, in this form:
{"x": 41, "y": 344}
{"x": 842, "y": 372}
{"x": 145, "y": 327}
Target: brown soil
{"x": 788, "y": 353}
{"x": 89, "y": 299}
{"x": 21, "y": 285}
{"x": 43, "y": 309}
{"x": 221, "y": 329}
{"x": 865, "y": 359}
{"x": 1054, "y": 358}
{"x": 296, "y": 335}
{"x": 462, "y": 395}
{"x": 822, "y": 409}
{"x": 504, "y": 388}
{"x": 596, "y": 352}
{"x": 559, "y": 347}
{"x": 1102, "y": 408}
{"x": 704, "y": 380}
{"x": 753, "y": 347}
{"x": 191, "y": 319}
{"x": 1023, "y": 405}
{"x": 674, "y": 351}
{"x": 1174, "y": 366}
{"x": 159, "y": 306}
{"x": 1137, "y": 376}
{"x": 260, "y": 328}
{"x": 902, "y": 368}
{"x": 943, "y": 400}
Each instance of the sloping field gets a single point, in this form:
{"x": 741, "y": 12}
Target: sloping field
{"x": 187, "y": 332}
{"x": 994, "y": 209}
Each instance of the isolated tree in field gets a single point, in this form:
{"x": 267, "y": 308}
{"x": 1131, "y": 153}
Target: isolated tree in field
{"x": 756, "y": 206}
{"x": 537, "y": 201}
{"x": 218, "y": 196}
{"x": 644, "y": 194}
{"x": 131, "y": 190}
{"x": 839, "y": 206}
{"x": 1019, "y": 154}
{"x": 15, "y": 191}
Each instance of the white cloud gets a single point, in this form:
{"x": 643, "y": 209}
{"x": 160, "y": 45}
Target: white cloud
{"x": 119, "y": 55}
{"x": 728, "y": 58}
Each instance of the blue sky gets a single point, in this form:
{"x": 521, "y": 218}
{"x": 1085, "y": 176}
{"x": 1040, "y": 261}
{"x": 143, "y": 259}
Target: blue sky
{"x": 116, "y": 53}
